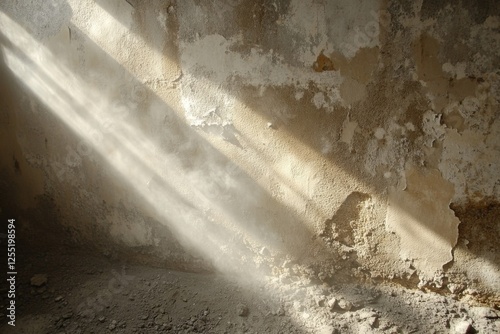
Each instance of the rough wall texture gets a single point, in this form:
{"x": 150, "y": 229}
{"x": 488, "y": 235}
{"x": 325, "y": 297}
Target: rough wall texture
{"x": 240, "y": 134}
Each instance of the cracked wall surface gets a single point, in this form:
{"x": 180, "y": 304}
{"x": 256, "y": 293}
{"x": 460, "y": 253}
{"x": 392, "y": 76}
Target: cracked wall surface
{"x": 354, "y": 137}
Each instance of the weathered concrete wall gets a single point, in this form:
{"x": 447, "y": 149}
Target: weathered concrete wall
{"x": 249, "y": 133}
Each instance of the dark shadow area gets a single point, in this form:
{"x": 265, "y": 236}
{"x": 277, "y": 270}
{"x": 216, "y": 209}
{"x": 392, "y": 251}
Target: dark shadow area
{"x": 84, "y": 293}
{"x": 478, "y": 242}
{"x": 479, "y": 225}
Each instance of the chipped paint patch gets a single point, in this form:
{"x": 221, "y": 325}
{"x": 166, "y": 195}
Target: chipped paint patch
{"x": 432, "y": 127}
{"x": 420, "y": 215}
{"x": 323, "y": 63}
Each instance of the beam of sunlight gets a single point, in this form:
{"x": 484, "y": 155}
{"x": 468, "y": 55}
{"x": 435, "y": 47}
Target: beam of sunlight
{"x": 160, "y": 179}
{"x": 183, "y": 199}
{"x": 294, "y": 198}
{"x": 119, "y": 41}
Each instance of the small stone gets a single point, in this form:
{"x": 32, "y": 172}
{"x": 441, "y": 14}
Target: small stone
{"x": 39, "y": 280}
{"x": 102, "y": 319}
{"x": 345, "y": 305}
{"x": 331, "y": 303}
{"x": 58, "y": 298}
{"x": 171, "y": 9}
{"x": 242, "y": 310}
{"x": 463, "y": 327}
{"x": 372, "y": 321}
{"x": 455, "y": 288}
{"x": 144, "y": 317}
{"x": 281, "y": 312}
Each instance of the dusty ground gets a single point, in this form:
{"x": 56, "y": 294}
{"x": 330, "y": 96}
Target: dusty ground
{"x": 92, "y": 294}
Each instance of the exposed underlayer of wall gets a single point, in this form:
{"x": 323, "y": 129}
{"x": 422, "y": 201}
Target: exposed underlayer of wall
{"x": 352, "y": 138}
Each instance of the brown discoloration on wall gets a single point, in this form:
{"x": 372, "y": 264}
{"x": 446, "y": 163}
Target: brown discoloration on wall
{"x": 426, "y": 49}
{"x": 22, "y": 182}
{"x": 460, "y": 89}
{"x": 323, "y": 63}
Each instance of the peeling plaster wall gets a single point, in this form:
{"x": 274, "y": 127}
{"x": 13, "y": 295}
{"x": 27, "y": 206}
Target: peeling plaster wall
{"x": 233, "y": 134}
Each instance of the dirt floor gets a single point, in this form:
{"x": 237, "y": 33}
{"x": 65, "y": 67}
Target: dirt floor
{"x": 74, "y": 292}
